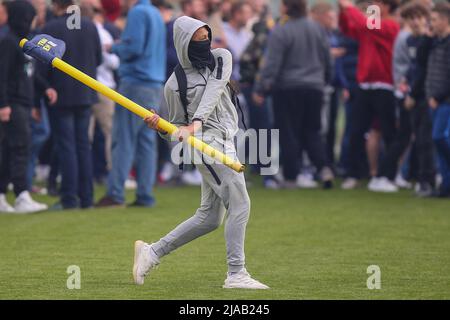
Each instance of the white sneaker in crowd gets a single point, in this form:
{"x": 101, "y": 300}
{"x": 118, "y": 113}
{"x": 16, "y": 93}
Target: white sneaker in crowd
{"x": 145, "y": 259}
{"x": 167, "y": 172}
{"x": 242, "y": 280}
{"x": 25, "y": 204}
{"x": 382, "y": 184}
{"x": 39, "y": 190}
{"x": 130, "y": 184}
{"x": 402, "y": 182}
{"x": 42, "y": 172}
{"x": 438, "y": 179}
{"x": 4, "y": 205}
{"x": 192, "y": 178}
{"x": 349, "y": 184}
{"x": 373, "y": 184}
{"x": 306, "y": 181}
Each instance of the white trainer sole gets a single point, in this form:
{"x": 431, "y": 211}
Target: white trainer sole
{"x": 29, "y": 211}
{"x": 137, "y": 249}
{"x": 242, "y": 288}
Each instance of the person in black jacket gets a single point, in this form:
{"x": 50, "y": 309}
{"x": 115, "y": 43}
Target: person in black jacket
{"x": 73, "y": 108}
{"x": 16, "y": 100}
{"x": 416, "y": 16}
{"x": 437, "y": 91}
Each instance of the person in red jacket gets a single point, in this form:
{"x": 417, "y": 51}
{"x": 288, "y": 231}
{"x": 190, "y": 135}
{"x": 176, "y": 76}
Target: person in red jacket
{"x": 375, "y": 33}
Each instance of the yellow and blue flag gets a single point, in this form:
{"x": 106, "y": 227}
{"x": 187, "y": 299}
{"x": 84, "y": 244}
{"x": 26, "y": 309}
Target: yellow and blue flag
{"x": 45, "y": 48}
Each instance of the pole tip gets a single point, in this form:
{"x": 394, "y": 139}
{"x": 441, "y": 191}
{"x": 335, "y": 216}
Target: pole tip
{"x": 22, "y": 42}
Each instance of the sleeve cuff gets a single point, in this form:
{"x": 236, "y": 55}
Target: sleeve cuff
{"x": 198, "y": 118}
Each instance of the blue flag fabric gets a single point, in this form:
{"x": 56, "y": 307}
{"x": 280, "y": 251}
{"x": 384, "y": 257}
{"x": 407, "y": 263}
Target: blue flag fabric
{"x": 45, "y": 48}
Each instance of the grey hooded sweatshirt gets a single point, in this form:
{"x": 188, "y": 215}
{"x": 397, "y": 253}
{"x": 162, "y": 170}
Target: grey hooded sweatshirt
{"x": 208, "y": 95}
{"x": 298, "y": 56}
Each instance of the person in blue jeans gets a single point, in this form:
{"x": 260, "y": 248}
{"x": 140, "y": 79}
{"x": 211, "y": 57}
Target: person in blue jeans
{"x": 40, "y": 132}
{"x": 132, "y": 144}
{"x": 441, "y": 138}
{"x": 438, "y": 91}
{"x": 142, "y": 72}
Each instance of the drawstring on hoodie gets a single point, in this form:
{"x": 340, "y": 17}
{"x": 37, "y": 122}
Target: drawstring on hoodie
{"x": 242, "y": 112}
{"x": 236, "y": 102}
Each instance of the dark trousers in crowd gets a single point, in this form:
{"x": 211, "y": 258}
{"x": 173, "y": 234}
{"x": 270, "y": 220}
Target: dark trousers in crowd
{"x": 14, "y": 152}
{"x": 40, "y": 132}
{"x": 74, "y": 150}
{"x": 423, "y": 142}
{"x": 368, "y": 104}
{"x": 331, "y": 130}
{"x": 99, "y": 166}
{"x": 298, "y": 117}
{"x": 260, "y": 118}
{"x": 402, "y": 139}
{"x": 51, "y": 148}
{"x": 344, "y": 159}
{"x": 441, "y": 138}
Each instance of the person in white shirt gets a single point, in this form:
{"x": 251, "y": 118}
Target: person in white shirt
{"x": 103, "y": 111}
{"x": 236, "y": 34}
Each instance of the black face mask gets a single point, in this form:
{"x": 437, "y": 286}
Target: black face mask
{"x": 200, "y": 55}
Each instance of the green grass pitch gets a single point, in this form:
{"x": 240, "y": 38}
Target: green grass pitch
{"x": 305, "y": 244}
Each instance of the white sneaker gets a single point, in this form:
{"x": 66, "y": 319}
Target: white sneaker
{"x": 382, "y": 185}
{"x": 4, "y": 205}
{"x": 326, "y": 174}
{"x": 192, "y": 178}
{"x": 438, "y": 179}
{"x": 25, "y": 204}
{"x": 145, "y": 259}
{"x": 349, "y": 184}
{"x": 130, "y": 184}
{"x": 167, "y": 172}
{"x": 242, "y": 280}
{"x": 373, "y": 184}
{"x": 306, "y": 181}
{"x": 402, "y": 182}
{"x": 417, "y": 187}
{"x": 42, "y": 172}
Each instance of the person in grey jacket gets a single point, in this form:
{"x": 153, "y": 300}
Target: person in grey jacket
{"x": 210, "y": 111}
{"x": 401, "y": 61}
{"x": 296, "y": 68}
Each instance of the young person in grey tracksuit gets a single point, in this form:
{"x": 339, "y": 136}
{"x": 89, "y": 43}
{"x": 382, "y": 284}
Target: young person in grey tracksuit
{"x": 210, "y": 111}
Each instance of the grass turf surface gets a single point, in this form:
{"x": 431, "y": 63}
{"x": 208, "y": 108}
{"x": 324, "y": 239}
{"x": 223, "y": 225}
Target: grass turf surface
{"x": 305, "y": 244}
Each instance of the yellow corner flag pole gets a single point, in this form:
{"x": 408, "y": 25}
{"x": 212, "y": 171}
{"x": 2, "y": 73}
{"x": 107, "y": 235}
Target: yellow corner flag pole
{"x": 141, "y": 111}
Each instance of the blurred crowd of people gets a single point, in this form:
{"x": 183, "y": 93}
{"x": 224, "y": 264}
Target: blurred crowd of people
{"x": 386, "y": 68}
